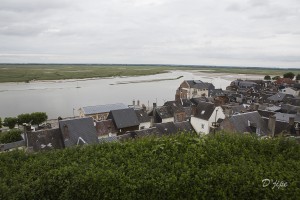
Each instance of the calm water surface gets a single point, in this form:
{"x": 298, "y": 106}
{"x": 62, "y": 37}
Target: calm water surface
{"x": 60, "y": 98}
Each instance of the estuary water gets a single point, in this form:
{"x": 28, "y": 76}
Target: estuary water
{"x": 64, "y": 97}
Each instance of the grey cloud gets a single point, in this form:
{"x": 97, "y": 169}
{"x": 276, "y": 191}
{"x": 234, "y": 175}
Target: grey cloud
{"x": 150, "y": 31}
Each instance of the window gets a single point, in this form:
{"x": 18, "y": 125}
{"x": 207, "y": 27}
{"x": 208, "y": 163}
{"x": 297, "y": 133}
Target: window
{"x": 202, "y": 126}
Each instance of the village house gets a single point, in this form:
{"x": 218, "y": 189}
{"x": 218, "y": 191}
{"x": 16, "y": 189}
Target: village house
{"x": 124, "y": 120}
{"x": 143, "y": 118}
{"x": 44, "y": 139}
{"x": 290, "y": 90}
{"x": 105, "y": 128}
{"x": 100, "y": 112}
{"x": 192, "y": 89}
{"x": 284, "y": 81}
{"x": 206, "y": 117}
{"x": 250, "y": 122}
{"x": 78, "y": 131}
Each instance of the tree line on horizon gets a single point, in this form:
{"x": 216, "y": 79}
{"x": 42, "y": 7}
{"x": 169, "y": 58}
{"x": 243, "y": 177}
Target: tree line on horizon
{"x": 289, "y": 75}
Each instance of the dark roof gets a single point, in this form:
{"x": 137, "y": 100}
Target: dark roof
{"x": 285, "y": 117}
{"x": 175, "y": 106}
{"x": 216, "y": 92}
{"x": 124, "y": 118}
{"x": 184, "y": 126}
{"x": 12, "y": 145}
{"x": 45, "y": 139}
{"x": 266, "y": 113}
{"x": 240, "y": 123}
{"x": 172, "y": 128}
{"x": 88, "y": 110}
{"x": 78, "y": 129}
{"x": 164, "y": 112}
{"x": 144, "y": 132}
{"x": 204, "y": 110}
{"x": 196, "y": 101}
{"x": 142, "y": 116}
{"x": 105, "y": 127}
{"x": 199, "y": 84}
{"x": 291, "y": 109}
{"x": 280, "y": 97}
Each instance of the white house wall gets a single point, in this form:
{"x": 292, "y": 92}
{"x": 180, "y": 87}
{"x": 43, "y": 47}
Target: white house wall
{"x": 145, "y": 125}
{"x": 197, "y": 125}
{"x": 220, "y": 115}
{"x": 171, "y": 119}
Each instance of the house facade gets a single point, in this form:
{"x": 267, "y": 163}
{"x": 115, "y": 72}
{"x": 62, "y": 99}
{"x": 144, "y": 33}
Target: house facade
{"x": 100, "y": 112}
{"x": 193, "y": 89}
{"x": 206, "y": 117}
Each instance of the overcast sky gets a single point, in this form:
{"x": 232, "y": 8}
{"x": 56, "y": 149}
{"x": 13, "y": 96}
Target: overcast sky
{"x": 201, "y": 32}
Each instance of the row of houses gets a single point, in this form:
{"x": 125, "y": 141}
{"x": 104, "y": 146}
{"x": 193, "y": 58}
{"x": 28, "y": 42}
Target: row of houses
{"x": 198, "y": 107}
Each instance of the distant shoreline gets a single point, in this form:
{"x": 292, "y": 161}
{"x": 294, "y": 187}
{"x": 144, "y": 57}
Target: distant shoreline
{"x": 37, "y": 72}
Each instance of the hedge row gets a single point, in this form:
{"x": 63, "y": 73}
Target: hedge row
{"x": 183, "y": 166}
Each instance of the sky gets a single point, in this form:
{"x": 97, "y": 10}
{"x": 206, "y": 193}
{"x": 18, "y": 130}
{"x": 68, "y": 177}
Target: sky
{"x": 258, "y": 33}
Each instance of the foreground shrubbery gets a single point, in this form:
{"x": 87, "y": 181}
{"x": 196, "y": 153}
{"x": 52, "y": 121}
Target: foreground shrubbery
{"x": 10, "y": 136}
{"x": 176, "y": 167}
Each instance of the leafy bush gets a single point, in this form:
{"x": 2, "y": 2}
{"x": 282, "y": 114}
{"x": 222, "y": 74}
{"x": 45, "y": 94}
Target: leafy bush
{"x": 183, "y": 166}
{"x": 290, "y": 75}
{"x": 13, "y": 135}
{"x": 10, "y": 122}
{"x": 267, "y": 77}
{"x": 38, "y": 117}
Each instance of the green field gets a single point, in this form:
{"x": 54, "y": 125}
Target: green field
{"x": 183, "y": 166}
{"x": 29, "y": 72}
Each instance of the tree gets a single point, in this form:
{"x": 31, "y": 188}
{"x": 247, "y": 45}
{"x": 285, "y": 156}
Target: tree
{"x": 10, "y": 122}
{"x": 24, "y": 118}
{"x": 38, "y": 117}
{"x": 13, "y": 135}
{"x": 0, "y": 122}
{"x": 290, "y": 75}
{"x": 267, "y": 77}
{"x": 276, "y": 78}
{"x": 298, "y": 77}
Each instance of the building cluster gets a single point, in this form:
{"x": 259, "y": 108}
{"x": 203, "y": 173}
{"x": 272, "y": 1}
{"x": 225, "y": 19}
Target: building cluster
{"x": 264, "y": 108}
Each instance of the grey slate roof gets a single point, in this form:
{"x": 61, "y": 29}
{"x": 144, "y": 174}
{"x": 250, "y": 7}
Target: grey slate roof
{"x": 240, "y": 122}
{"x": 164, "y": 112}
{"x": 197, "y": 84}
{"x": 45, "y": 139}
{"x": 88, "y": 110}
{"x": 142, "y": 116}
{"x": 78, "y": 129}
{"x": 279, "y": 97}
{"x": 12, "y": 145}
{"x": 124, "y": 118}
{"x": 266, "y": 113}
{"x": 172, "y": 128}
{"x": 285, "y": 117}
{"x": 204, "y": 110}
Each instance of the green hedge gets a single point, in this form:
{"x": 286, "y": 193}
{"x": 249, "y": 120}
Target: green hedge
{"x": 183, "y": 166}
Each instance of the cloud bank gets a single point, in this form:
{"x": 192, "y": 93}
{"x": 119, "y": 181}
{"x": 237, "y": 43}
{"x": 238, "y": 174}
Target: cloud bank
{"x": 200, "y": 32}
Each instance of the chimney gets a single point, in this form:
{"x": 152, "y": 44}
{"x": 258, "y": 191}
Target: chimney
{"x": 138, "y": 102}
{"x": 152, "y": 121}
{"x": 256, "y": 106}
{"x": 271, "y": 125}
{"x": 154, "y": 105}
{"x": 133, "y": 102}
{"x": 291, "y": 121}
{"x": 144, "y": 107}
{"x": 228, "y": 112}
